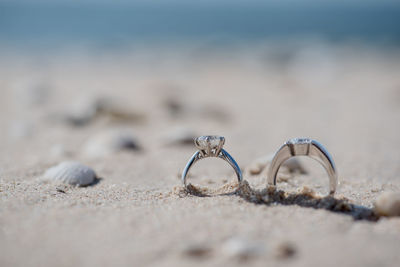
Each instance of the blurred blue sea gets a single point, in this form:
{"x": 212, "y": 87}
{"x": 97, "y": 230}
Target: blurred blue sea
{"x": 105, "y": 25}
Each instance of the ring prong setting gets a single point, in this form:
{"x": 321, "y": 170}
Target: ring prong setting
{"x": 210, "y": 145}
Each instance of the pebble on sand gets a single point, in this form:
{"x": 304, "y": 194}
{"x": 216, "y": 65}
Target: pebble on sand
{"x": 285, "y": 250}
{"x": 242, "y": 249}
{"x": 197, "y": 250}
{"x": 87, "y": 109}
{"x": 291, "y": 165}
{"x": 179, "y": 136}
{"x": 110, "y": 141}
{"x": 388, "y": 204}
{"x": 71, "y": 172}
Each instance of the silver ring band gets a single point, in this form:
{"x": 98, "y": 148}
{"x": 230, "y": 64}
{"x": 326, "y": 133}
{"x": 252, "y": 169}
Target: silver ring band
{"x": 304, "y": 147}
{"x": 209, "y": 148}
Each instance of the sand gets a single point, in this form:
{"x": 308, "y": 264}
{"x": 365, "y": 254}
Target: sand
{"x": 345, "y": 96}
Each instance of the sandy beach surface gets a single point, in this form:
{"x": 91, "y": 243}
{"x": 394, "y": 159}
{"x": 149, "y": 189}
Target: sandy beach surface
{"x": 137, "y": 214}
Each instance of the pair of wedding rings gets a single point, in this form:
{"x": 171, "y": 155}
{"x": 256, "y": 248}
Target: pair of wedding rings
{"x": 212, "y": 146}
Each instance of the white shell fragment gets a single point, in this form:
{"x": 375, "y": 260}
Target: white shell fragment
{"x": 70, "y": 172}
{"x": 388, "y": 204}
{"x": 110, "y": 142}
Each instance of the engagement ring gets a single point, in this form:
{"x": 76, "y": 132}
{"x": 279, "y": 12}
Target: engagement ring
{"x": 211, "y": 146}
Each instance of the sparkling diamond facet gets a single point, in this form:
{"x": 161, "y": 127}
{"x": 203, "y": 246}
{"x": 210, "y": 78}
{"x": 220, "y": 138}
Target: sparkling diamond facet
{"x": 299, "y": 141}
{"x": 212, "y": 141}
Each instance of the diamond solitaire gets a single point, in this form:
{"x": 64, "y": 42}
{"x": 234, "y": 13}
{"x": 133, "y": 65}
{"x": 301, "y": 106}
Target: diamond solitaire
{"x": 211, "y": 146}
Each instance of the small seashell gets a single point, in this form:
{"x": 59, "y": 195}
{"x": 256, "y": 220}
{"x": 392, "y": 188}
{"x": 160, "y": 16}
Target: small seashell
{"x": 388, "y": 204}
{"x": 70, "y": 172}
{"x": 180, "y": 136}
{"x": 109, "y": 142}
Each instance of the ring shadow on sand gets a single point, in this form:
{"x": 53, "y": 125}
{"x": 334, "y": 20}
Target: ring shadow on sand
{"x": 306, "y": 198}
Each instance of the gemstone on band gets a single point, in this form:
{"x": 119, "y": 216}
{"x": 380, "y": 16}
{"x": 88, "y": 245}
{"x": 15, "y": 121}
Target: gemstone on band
{"x": 209, "y": 142}
{"x": 299, "y": 141}
{"x": 210, "y": 146}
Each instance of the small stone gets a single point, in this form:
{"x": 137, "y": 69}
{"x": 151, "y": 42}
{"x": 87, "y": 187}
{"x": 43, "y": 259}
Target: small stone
{"x": 197, "y": 250}
{"x": 88, "y": 108}
{"x": 180, "y": 136}
{"x": 285, "y": 250}
{"x": 82, "y": 111}
{"x": 109, "y": 142}
{"x": 242, "y": 249}
{"x": 388, "y": 204}
{"x": 60, "y": 190}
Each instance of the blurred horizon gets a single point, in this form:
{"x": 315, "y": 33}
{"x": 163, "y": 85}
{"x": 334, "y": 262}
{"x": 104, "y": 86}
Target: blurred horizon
{"x": 48, "y": 25}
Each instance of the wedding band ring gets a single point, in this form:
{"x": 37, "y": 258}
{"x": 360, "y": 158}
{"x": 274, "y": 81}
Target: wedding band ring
{"x": 304, "y": 147}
